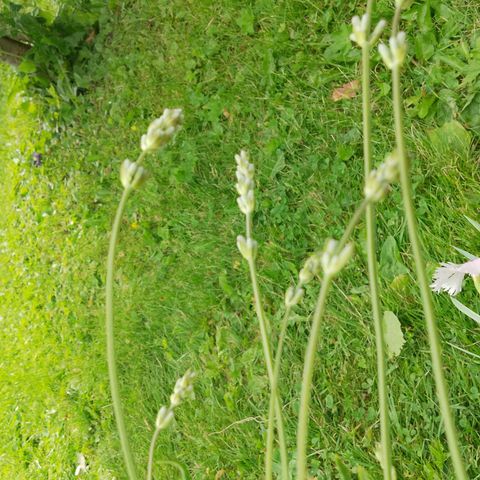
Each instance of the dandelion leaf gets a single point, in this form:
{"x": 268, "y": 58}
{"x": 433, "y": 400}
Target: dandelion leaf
{"x": 393, "y": 335}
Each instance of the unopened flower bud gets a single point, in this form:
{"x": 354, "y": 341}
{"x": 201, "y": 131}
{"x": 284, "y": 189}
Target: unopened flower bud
{"x": 164, "y": 418}
{"x": 293, "y": 296}
{"x": 374, "y": 189}
{"x": 333, "y": 262}
{"x": 377, "y": 31}
{"x": 247, "y": 247}
{"x": 132, "y": 175}
{"x": 394, "y": 55}
{"x": 244, "y": 165}
{"x": 359, "y": 27}
{"x": 162, "y": 130}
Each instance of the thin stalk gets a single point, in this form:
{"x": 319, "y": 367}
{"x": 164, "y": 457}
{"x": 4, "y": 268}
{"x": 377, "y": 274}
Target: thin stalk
{"x": 166, "y": 462}
{"x": 302, "y": 431}
{"x": 432, "y": 328}
{"x": 111, "y": 360}
{"x": 271, "y": 407}
{"x": 151, "y": 452}
{"x": 264, "y": 331}
{"x": 385, "y": 436}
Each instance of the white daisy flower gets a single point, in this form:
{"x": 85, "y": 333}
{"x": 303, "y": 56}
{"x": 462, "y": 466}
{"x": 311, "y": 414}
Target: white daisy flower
{"x": 449, "y": 276}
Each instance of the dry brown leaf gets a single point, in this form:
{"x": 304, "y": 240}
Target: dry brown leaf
{"x": 346, "y": 91}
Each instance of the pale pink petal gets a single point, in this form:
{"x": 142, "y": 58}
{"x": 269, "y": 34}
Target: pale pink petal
{"x": 472, "y": 267}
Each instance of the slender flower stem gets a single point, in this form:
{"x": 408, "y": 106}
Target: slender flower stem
{"x": 264, "y": 331}
{"x": 432, "y": 328}
{"x": 372, "y": 260}
{"x": 151, "y": 452}
{"x": 271, "y": 407}
{"x": 112, "y": 366}
{"x": 302, "y": 432}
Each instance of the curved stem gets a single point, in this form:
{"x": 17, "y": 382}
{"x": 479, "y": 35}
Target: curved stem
{"x": 302, "y": 433}
{"x": 264, "y": 332}
{"x": 385, "y": 436}
{"x": 271, "y": 407}
{"x": 432, "y": 328}
{"x": 112, "y": 366}
{"x": 151, "y": 452}
{"x": 268, "y": 361}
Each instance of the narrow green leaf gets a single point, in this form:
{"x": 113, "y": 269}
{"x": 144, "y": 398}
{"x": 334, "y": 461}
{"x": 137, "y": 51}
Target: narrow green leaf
{"x": 474, "y": 223}
{"x": 464, "y": 309}
{"x": 465, "y": 253}
{"x": 393, "y": 335}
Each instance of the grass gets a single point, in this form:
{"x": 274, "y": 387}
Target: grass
{"x": 256, "y": 76}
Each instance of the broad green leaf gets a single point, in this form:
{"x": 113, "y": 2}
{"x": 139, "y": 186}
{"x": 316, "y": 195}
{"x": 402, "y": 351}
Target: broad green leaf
{"x": 391, "y": 264}
{"x": 245, "y": 21}
{"x": 392, "y": 332}
{"x": 467, "y": 311}
{"x": 27, "y": 66}
{"x": 451, "y": 137}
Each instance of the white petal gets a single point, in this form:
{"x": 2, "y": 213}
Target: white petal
{"x": 448, "y": 278}
{"x": 472, "y": 267}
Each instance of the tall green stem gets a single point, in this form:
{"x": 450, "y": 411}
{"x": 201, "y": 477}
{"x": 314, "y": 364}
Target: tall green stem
{"x": 151, "y": 453}
{"x": 264, "y": 332}
{"x": 372, "y": 261}
{"x": 112, "y": 365}
{"x": 271, "y": 407}
{"x": 302, "y": 431}
{"x": 432, "y": 328}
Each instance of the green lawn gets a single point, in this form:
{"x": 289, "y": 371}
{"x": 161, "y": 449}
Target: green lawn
{"x": 255, "y": 75}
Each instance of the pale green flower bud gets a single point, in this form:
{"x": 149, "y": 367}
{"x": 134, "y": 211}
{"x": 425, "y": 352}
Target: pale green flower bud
{"x": 247, "y": 247}
{"x": 162, "y": 130}
{"x": 310, "y": 269}
{"x": 390, "y": 167}
{"x": 398, "y": 46}
{"x": 377, "y": 31}
{"x": 293, "y": 296}
{"x": 244, "y": 165}
{"x": 164, "y": 418}
{"x": 332, "y": 263}
{"x": 132, "y": 175}
{"x": 329, "y": 250}
{"x": 374, "y": 189}
{"x": 246, "y": 202}
{"x": 394, "y": 56}
{"x": 386, "y": 55}
{"x": 359, "y": 27}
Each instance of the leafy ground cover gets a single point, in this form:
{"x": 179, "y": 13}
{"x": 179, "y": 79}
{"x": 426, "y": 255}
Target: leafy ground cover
{"x": 257, "y": 76}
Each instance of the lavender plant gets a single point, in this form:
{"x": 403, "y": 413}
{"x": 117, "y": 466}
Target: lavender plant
{"x": 133, "y": 175}
{"x": 336, "y": 254}
{"x": 331, "y": 260}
